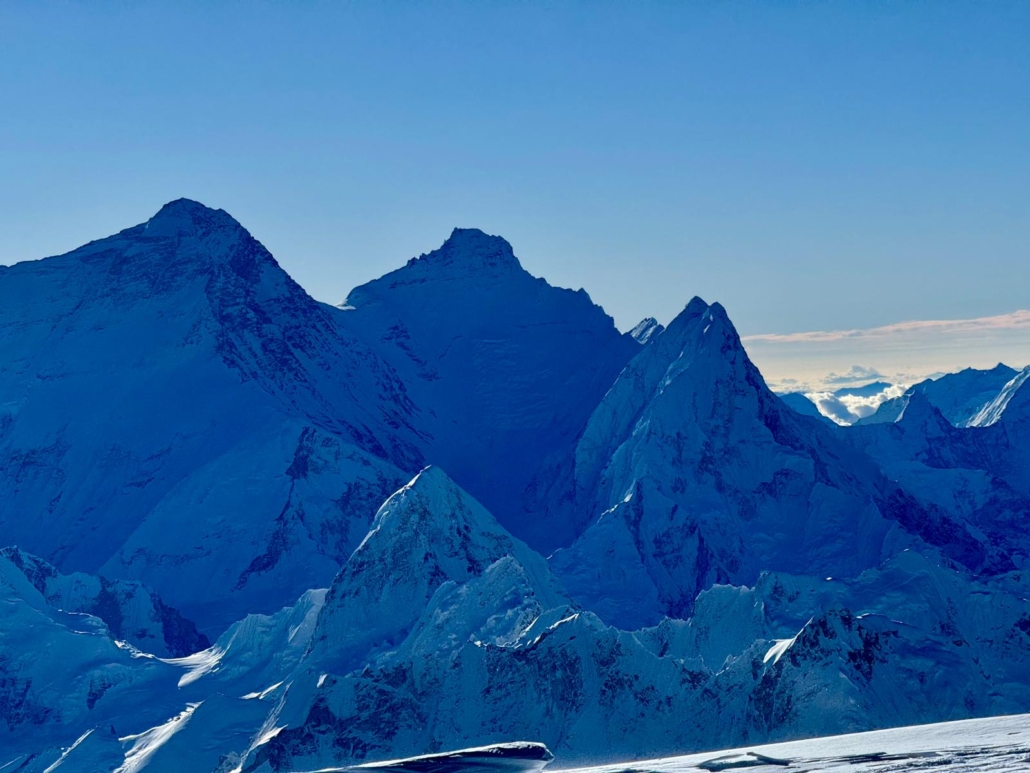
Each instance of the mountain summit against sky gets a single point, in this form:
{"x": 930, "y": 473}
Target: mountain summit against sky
{"x": 508, "y": 366}
{"x": 177, "y": 410}
{"x": 530, "y": 525}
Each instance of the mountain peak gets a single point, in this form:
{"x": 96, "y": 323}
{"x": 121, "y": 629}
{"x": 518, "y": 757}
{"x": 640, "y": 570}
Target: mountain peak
{"x": 185, "y": 216}
{"x": 427, "y": 533}
{"x": 471, "y": 250}
{"x": 645, "y": 330}
{"x": 695, "y": 307}
{"x": 993, "y": 411}
{"x": 703, "y": 323}
{"x": 920, "y": 412}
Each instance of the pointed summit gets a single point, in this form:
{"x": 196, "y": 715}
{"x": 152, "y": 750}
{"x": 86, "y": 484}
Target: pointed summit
{"x": 511, "y": 365}
{"x": 1011, "y": 394}
{"x": 426, "y": 534}
{"x": 185, "y": 216}
{"x": 704, "y": 321}
{"x": 646, "y": 330}
{"x": 471, "y": 249}
{"x": 704, "y": 476}
{"x": 920, "y": 414}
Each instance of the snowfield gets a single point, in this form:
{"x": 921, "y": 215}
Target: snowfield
{"x": 996, "y": 744}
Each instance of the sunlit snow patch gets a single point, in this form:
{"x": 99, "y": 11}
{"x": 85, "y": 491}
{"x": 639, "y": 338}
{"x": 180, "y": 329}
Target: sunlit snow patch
{"x": 261, "y": 695}
{"x": 991, "y": 745}
{"x": 198, "y": 664}
{"x": 146, "y": 744}
{"x": 780, "y": 647}
{"x": 64, "y": 755}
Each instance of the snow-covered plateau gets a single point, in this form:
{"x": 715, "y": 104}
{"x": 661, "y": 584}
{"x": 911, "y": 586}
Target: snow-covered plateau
{"x": 250, "y": 532}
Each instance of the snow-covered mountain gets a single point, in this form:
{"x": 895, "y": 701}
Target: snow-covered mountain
{"x": 977, "y": 473}
{"x": 183, "y": 428}
{"x": 992, "y": 412}
{"x": 645, "y": 330}
{"x": 174, "y": 409}
{"x": 507, "y": 367}
{"x": 803, "y": 405}
{"x": 498, "y": 652}
{"x": 691, "y": 472}
{"x": 131, "y": 611}
{"x": 960, "y": 397}
{"x": 443, "y": 631}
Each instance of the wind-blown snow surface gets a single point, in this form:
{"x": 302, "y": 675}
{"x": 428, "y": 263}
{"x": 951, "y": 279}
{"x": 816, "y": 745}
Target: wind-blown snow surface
{"x": 181, "y": 426}
{"x": 997, "y": 745}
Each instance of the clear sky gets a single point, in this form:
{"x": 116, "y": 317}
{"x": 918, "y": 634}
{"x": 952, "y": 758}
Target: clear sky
{"x": 814, "y": 166}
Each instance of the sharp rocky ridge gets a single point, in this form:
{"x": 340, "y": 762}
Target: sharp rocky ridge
{"x": 621, "y": 540}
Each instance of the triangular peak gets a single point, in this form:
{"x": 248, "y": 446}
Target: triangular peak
{"x": 428, "y": 533}
{"x": 186, "y": 216}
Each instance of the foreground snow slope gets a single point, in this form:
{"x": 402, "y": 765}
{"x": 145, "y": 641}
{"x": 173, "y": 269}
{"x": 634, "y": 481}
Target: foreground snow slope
{"x": 994, "y": 745}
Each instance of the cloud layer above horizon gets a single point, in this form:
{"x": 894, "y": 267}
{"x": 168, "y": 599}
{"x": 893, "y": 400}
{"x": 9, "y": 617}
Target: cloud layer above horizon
{"x": 899, "y": 353}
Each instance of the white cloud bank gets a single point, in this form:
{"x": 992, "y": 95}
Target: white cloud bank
{"x": 847, "y": 409}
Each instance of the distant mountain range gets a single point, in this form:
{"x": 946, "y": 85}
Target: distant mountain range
{"x": 961, "y": 398}
{"x": 462, "y": 508}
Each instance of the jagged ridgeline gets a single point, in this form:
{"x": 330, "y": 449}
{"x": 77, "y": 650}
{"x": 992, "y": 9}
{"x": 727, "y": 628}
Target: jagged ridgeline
{"x": 461, "y": 508}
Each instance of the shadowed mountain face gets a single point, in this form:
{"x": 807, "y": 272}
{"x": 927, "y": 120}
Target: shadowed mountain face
{"x": 508, "y": 366}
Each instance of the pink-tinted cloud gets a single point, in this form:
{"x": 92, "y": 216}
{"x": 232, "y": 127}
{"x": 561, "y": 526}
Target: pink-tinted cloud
{"x": 1017, "y": 320}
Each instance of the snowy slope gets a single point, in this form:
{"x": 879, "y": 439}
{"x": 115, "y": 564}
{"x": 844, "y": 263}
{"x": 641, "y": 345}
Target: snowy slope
{"x": 803, "y": 405}
{"x": 498, "y": 652}
{"x": 174, "y": 409}
{"x": 992, "y": 412}
{"x": 977, "y": 474}
{"x": 131, "y": 611}
{"x": 645, "y": 330}
{"x": 996, "y": 745}
{"x": 442, "y": 631}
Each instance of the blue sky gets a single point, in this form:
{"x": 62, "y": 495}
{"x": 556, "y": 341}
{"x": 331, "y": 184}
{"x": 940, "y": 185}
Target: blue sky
{"x": 814, "y": 166}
